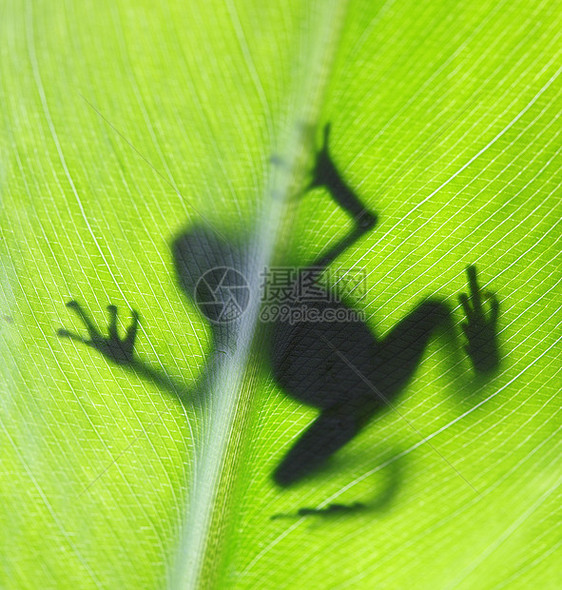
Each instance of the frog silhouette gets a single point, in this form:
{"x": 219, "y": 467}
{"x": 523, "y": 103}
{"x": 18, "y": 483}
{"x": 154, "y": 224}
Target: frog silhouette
{"x": 339, "y": 367}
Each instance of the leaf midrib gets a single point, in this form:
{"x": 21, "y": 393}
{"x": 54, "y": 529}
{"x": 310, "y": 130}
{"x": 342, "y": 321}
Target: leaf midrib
{"x": 198, "y": 554}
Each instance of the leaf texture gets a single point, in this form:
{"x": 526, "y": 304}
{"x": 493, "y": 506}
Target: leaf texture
{"x": 126, "y": 124}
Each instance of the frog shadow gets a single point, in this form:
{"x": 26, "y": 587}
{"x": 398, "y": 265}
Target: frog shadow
{"x": 330, "y": 359}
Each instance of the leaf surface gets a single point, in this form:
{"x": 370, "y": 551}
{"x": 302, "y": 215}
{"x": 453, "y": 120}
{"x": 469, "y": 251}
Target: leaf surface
{"x": 126, "y": 123}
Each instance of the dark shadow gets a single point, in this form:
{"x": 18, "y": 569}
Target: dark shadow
{"x": 329, "y": 359}
{"x": 341, "y": 368}
{"x": 328, "y": 511}
{"x": 480, "y": 327}
{"x": 382, "y": 502}
{"x": 202, "y": 260}
{"x": 212, "y": 273}
{"x": 339, "y": 365}
{"x": 345, "y": 371}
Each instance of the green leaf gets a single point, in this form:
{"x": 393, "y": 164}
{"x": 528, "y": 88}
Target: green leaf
{"x": 126, "y": 123}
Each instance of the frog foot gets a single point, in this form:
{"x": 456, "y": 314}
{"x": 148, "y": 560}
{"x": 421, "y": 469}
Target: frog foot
{"x": 113, "y": 347}
{"x": 480, "y": 326}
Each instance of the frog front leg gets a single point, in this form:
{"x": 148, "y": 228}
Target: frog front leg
{"x": 480, "y": 327}
{"x": 121, "y": 350}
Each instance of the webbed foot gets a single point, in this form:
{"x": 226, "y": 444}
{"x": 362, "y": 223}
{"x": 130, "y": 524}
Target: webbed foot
{"x": 113, "y": 347}
{"x": 480, "y": 326}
